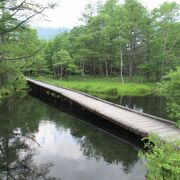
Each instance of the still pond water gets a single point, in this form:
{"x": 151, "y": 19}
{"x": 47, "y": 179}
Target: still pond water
{"x": 150, "y": 104}
{"x": 38, "y": 141}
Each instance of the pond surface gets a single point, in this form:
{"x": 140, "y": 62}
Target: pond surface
{"x": 150, "y": 104}
{"x": 38, "y": 141}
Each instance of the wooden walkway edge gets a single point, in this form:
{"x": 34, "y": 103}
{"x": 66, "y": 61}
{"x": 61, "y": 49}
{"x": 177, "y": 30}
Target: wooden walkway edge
{"x": 139, "y": 123}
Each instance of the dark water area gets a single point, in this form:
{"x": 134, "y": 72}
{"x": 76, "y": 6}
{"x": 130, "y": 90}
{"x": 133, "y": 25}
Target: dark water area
{"x": 39, "y": 141}
{"x": 150, "y": 104}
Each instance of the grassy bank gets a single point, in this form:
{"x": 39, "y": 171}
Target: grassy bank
{"x": 103, "y": 85}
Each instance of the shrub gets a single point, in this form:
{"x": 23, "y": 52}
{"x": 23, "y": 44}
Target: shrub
{"x": 162, "y": 158}
{"x": 170, "y": 86}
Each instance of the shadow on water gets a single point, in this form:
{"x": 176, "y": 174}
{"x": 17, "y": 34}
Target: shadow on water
{"x": 30, "y": 134}
{"x": 90, "y": 118}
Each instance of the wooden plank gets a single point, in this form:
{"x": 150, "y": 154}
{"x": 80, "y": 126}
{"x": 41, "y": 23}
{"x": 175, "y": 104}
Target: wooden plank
{"x": 146, "y": 123}
{"x": 138, "y": 123}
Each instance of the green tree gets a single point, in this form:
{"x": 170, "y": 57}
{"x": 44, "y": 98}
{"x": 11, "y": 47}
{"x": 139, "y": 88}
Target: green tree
{"x": 122, "y": 39}
{"x": 63, "y": 64}
{"x": 164, "y": 45}
{"x": 15, "y": 34}
{"x": 170, "y": 87}
{"x": 136, "y": 16}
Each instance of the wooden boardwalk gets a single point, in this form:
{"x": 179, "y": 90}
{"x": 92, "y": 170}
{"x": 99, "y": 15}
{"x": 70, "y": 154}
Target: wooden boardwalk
{"x": 139, "y": 123}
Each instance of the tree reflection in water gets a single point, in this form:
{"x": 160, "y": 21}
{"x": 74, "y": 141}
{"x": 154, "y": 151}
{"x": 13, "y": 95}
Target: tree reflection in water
{"x": 95, "y": 143}
{"x": 19, "y": 122}
{"x": 17, "y": 143}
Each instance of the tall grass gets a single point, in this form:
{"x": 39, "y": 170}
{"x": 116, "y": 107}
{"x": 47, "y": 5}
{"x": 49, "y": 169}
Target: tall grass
{"x": 102, "y": 85}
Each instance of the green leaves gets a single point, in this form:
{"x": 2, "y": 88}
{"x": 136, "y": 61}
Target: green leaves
{"x": 18, "y": 42}
{"x": 63, "y": 64}
{"x": 164, "y": 39}
{"x": 170, "y": 87}
{"x": 162, "y": 159}
{"x": 147, "y": 43}
{"x": 10, "y": 77}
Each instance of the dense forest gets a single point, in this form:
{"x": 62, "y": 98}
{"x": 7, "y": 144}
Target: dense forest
{"x": 118, "y": 40}
{"x": 113, "y": 40}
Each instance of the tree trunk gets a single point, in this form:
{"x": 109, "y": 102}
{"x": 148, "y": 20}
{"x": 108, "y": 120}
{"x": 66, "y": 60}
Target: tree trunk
{"x": 2, "y": 37}
{"x": 130, "y": 69}
{"x": 121, "y": 70}
{"x": 82, "y": 70}
{"x": 61, "y": 72}
{"x": 94, "y": 68}
{"x": 101, "y": 72}
{"x": 111, "y": 68}
{"x": 106, "y": 69}
{"x": 131, "y": 55}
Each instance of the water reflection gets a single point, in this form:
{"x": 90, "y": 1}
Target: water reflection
{"x": 151, "y": 104}
{"x": 18, "y": 143}
{"x": 84, "y": 159}
{"x": 40, "y": 142}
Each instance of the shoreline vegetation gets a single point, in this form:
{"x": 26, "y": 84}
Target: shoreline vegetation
{"x": 114, "y": 39}
{"x": 5, "y": 93}
{"x": 98, "y": 86}
{"x": 10, "y": 90}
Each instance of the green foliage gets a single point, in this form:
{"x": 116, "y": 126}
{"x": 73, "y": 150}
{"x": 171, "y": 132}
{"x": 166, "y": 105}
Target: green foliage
{"x": 171, "y": 83}
{"x": 164, "y": 41}
{"x": 162, "y": 159}
{"x": 11, "y": 78}
{"x": 115, "y": 39}
{"x": 170, "y": 87}
{"x": 63, "y": 64}
{"x": 18, "y": 42}
{"x": 103, "y": 85}
{"x": 11, "y": 71}
{"x": 147, "y": 41}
